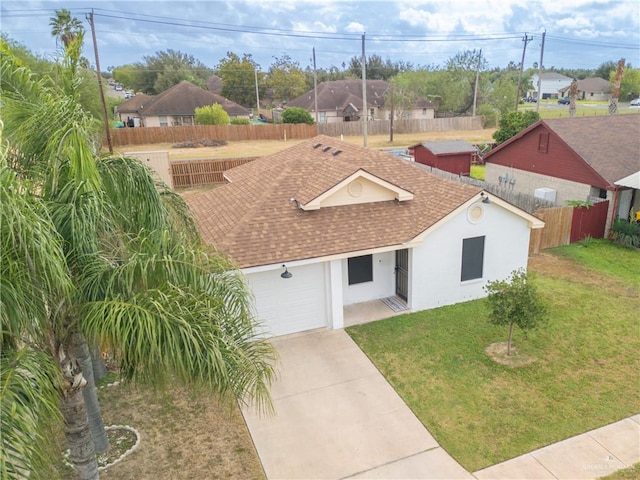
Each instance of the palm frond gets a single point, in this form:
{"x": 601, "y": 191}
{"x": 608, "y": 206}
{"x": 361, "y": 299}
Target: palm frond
{"x": 32, "y": 270}
{"x": 194, "y": 337}
{"x": 48, "y": 127}
{"x": 29, "y": 399}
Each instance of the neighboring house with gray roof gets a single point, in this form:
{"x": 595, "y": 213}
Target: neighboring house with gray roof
{"x": 341, "y": 101}
{"x": 354, "y": 225}
{"x": 454, "y": 156}
{"x": 581, "y": 159}
{"x": 595, "y": 88}
{"x": 550, "y": 85}
{"x": 176, "y": 106}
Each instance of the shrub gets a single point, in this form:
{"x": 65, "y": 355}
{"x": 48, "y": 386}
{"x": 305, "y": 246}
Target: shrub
{"x": 212, "y": 115}
{"x": 489, "y": 116}
{"x": 296, "y": 115}
{"x": 626, "y": 233}
{"x": 512, "y": 123}
{"x": 240, "y": 121}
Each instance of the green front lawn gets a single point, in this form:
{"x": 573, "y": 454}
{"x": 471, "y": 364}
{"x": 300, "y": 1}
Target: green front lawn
{"x": 482, "y": 413}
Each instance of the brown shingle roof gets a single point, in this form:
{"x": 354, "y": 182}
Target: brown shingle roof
{"x": 184, "y": 98}
{"x": 255, "y": 221}
{"x": 609, "y": 143}
{"x": 133, "y": 104}
{"x": 593, "y": 84}
{"x": 339, "y": 94}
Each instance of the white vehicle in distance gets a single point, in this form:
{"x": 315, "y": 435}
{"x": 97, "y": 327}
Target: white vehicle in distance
{"x": 635, "y": 102}
{"x": 118, "y": 88}
{"x": 128, "y": 94}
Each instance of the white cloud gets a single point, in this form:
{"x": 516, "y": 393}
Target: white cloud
{"x": 355, "y": 27}
{"x": 313, "y": 27}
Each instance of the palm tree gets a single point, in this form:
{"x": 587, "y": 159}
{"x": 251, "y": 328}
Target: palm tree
{"x": 65, "y": 27}
{"x": 142, "y": 283}
{"x": 32, "y": 273}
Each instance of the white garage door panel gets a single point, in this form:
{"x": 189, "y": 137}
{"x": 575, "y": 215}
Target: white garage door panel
{"x": 290, "y": 305}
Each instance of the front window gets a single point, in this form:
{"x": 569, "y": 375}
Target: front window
{"x": 360, "y": 269}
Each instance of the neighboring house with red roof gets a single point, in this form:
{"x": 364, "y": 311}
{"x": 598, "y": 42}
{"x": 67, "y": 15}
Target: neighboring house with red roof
{"x": 341, "y": 101}
{"x": 355, "y": 225}
{"x": 595, "y": 88}
{"x": 452, "y": 156}
{"x": 176, "y": 106}
{"x": 581, "y": 158}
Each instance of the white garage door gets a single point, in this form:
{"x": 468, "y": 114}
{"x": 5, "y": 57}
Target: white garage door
{"x": 293, "y": 304}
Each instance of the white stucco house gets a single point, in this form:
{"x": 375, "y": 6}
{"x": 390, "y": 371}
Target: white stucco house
{"x": 550, "y": 84}
{"x": 353, "y": 225}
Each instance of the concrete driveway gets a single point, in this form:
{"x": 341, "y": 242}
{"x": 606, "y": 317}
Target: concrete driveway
{"x": 337, "y": 417}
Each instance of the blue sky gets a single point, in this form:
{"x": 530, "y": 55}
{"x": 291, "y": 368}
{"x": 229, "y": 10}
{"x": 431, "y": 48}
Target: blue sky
{"x": 580, "y": 33}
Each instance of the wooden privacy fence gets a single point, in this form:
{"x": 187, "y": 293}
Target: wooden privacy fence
{"x": 565, "y": 225}
{"x": 556, "y": 231}
{"x": 381, "y": 127}
{"x": 232, "y": 133}
{"x": 283, "y": 131}
{"x": 194, "y": 173}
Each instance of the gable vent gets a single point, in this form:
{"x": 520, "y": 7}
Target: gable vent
{"x": 326, "y": 149}
{"x": 336, "y": 152}
{"x": 316, "y": 145}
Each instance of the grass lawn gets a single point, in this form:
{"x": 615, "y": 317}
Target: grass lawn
{"x": 584, "y": 108}
{"x": 585, "y": 376}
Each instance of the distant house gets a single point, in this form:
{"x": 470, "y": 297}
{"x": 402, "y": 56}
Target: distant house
{"x": 550, "y": 85}
{"x": 324, "y": 226}
{"x": 176, "y": 106}
{"x": 595, "y": 88}
{"x": 582, "y": 159}
{"x": 131, "y": 108}
{"x": 454, "y": 156}
{"x": 341, "y": 101}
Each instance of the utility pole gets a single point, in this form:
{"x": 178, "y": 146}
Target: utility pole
{"x": 393, "y": 113}
{"x": 539, "y": 93}
{"x": 526, "y": 40}
{"x": 315, "y": 89}
{"x": 365, "y": 107}
{"x": 104, "y": 103}
{"x": 475, "y": 88}
{"x": 255, "y": 73}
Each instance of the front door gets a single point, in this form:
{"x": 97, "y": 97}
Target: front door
{"x": 402, "y": 273}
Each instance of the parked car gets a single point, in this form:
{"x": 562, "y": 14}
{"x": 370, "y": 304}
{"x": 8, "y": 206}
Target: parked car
{"x": 118, "y": 88}
{"x": 564, "y": 101}
{"x": 635, "y": 102}
{"x": 128, "y": 95}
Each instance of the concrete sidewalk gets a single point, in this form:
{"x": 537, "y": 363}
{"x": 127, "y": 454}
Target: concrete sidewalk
{"x": 338, "y": 418}
{"x": 587, "y": 456}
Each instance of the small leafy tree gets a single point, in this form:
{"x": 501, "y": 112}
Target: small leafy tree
{"x": 296, "y": 115}
{"x": 212, "y": 115}
{"x": 515, "y": 301}
{"x": 513, "y": 123}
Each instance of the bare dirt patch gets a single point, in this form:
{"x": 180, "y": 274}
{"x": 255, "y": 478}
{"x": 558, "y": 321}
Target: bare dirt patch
{"x": 182, "y": 436}
{"x": 498, "y": 352}
{"x": 251, "y": 148}
{"x": 560, "y": 267}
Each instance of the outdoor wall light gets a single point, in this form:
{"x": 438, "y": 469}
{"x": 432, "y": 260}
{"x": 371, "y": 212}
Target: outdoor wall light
{"x": 286, "y": 273}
